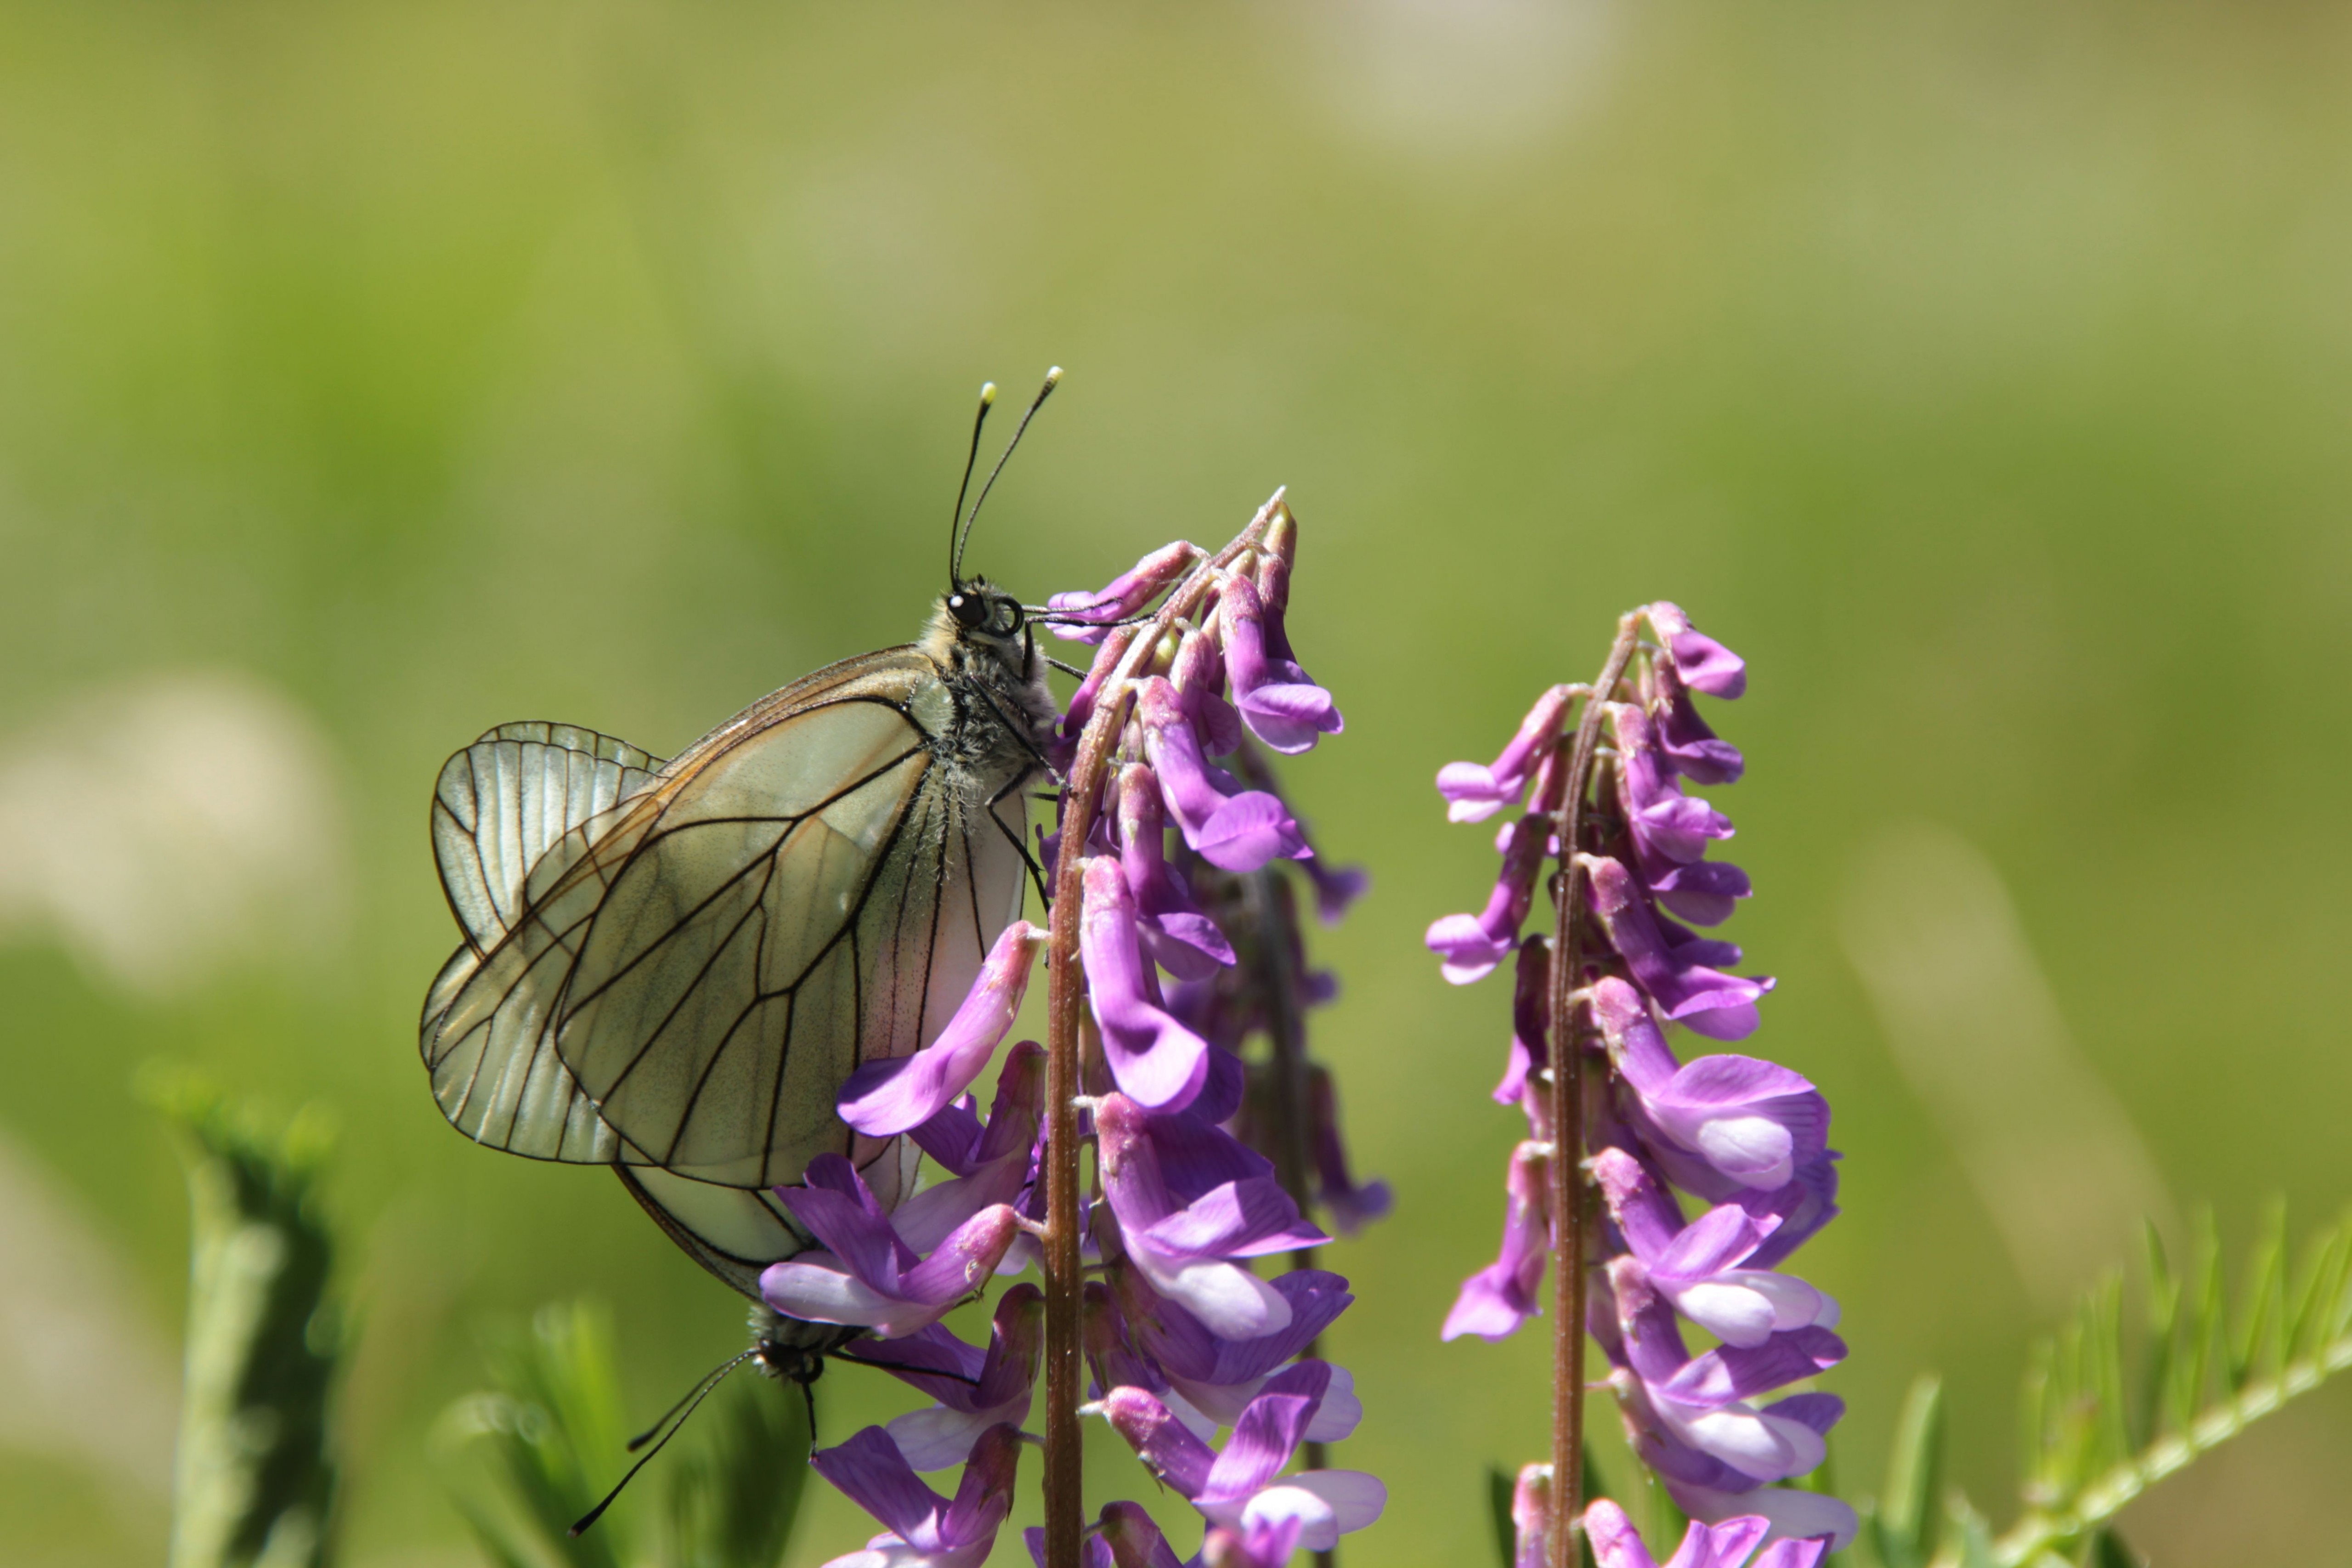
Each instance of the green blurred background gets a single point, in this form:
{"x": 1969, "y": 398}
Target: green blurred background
{"x": 371, "y": 373}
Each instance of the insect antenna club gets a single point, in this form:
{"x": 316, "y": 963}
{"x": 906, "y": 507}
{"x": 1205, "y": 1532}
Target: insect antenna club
{"x": 758, "y": 982}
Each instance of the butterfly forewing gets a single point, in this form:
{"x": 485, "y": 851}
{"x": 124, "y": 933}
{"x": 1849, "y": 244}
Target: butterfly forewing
{"x": 805, "y": 901}
{"x": 695, "y": 959}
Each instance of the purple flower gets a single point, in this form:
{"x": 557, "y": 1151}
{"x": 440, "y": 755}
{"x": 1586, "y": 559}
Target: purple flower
{"x": 889, "y": 1097}
{"x": 1243, "y": 1488}
{"x": 1531, "y": 1516}
{"x": 1496, "y": 1302}
{"x": 1701, "y": 999}
{"x": 1704, "y": 664}
{"x": 1282, "y": 707}
{"x": 1198, "y": 673}
{"x": 1232, "y": 828}
{"x": 1218, "y": 1377}
{"x": 1530, "y": 1021}
{"x": 1798, "y": 1519}
{"x": 1689, "y": 744}
{"x": 1156, "y": 1061}
{"x": 1664, "y": 822}
{"x": 1083, "y": 617}
{"x": 1706, "y": 1403}
{"x": 1186, "y": 1244}
{"x": 924, "y": 1528}
{"x": 1753, "y": 1121}
{"x": 1350, "y": 1207}
{"x": 975, "y": 1389}
{"x": 1475, "y": 793}
{"x": 1125, "y": 1537}
{"x": 1472, "y": 945}
{"x": 1265, "y": 1542}
{"x": 1616, "y": 1543}
{"x": 1336, "y": 887}
{"x": 869, "y": 1275}
{"x": 1182, "y": 940}
{"x": 1698, "y": 1267}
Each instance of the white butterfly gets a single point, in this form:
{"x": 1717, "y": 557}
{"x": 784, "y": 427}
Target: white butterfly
{"x": 670, "y": 968}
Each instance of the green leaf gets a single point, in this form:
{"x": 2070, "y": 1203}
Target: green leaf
{"x": 256, "y": 1480}
{"x": 1498, "y": 1512}
{"x": 2088, "y": 1454}
{"x": 1907, "y": 1526}
{"x": 733, "y": 1496}
{"x": 530, "y": 1460}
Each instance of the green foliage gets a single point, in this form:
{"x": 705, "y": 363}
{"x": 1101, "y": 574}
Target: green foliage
{"x": 2098, "y": 1430}
{"x": 255, "y": 1480}
{"x": 527, "y": 1459}
{"x": 1498, "y": 1511}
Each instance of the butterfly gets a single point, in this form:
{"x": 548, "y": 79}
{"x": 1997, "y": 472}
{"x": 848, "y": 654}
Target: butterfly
{"x": 670, "y": 967}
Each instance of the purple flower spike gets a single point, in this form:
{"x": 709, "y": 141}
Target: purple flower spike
{"x": 1704, "y": 1000}
{"x": 975, "y": 1390}
{"x": 885, "y": 1097}
{"x": 1475, "y": 792}
{"x": 1280, "y": 705}
{"x": 1496, "y": 1302}
{"x": 1084, "y": 617}
{"x": 1753, "y": 1121}
{"x": 1232, "y": 828}
{"x": 1156, "y": 1061}
{"x": 1617, "y": 1544}
{"x": 869, "y": 1275}
{"x": 1705, "y": 663}
{"x": 1472, "y": 945}
{"x": 1185, "y": 1249}
{"x": 925, "y": 1529}
{"x": 1182, "y": 940}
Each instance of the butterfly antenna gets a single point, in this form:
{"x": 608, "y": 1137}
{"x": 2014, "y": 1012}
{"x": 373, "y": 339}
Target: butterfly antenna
{"x": 691, "y": 1403}
{"x": 721, "y": 1370}
{"x": 971, "y": 459}
{"x": 1053, "y": 379}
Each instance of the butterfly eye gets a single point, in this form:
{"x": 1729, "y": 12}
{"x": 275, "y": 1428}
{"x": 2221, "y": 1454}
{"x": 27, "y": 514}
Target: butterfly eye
{"x": 969, "y": 609}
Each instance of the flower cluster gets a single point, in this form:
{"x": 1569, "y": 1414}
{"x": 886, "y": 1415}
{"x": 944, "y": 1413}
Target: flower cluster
{"x": 1188, "y": 949}
{"x": 1745, "y": 1139}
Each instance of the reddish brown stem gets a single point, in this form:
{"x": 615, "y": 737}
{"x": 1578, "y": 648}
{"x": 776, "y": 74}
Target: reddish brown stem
{"x": 1065, "y": 989}
{"x": 1567, "y": 1105}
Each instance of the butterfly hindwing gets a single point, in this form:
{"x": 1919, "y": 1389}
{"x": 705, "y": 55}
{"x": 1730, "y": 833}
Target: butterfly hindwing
{"x": 500, "y": 807}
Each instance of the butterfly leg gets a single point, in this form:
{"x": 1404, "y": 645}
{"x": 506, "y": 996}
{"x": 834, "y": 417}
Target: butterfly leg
{"x": 1036, "y": 872}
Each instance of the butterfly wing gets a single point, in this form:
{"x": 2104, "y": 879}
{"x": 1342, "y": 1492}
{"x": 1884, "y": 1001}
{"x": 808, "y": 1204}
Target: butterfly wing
{"x": 500, "y": 807}
{"x": 688, "y": 972}
{"x": 816, "y": 888}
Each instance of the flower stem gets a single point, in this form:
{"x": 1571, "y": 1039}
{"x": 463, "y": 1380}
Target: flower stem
{"x": 1567, "y": 1092}
{"x": 1066, "y": 988}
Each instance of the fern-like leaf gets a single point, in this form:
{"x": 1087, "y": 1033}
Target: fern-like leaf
{"x": 2089, "y": 1451}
